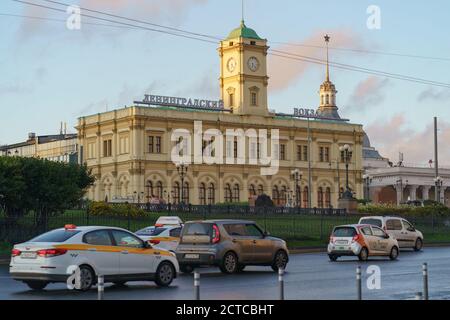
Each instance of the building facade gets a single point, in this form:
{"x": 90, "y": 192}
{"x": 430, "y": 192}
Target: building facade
{"x": 130, "y": 150}
{"x": 60, "y": 147}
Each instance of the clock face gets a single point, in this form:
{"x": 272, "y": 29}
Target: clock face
{"x": 231, "y": 64}
{"x": 253, "y": 64}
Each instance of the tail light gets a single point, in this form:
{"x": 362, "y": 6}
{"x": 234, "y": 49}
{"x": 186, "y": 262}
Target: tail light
{"x": 15, "y": 252}
{"x": 47, "y": 253}
{"x": 154, "y": 241}
{"x": 216, "y": 234}
{"x": 356, "y": 238}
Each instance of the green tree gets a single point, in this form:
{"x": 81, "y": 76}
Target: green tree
{"x": 45, "y": 187}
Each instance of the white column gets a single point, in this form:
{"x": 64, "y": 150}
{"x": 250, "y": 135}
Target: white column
{"x": 413, "y": 192}
{"x": 399, "y": 190}
{"x": 426, "y": 192}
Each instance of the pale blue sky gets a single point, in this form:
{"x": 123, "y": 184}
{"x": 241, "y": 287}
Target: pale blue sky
{"x": 50, "y": 74}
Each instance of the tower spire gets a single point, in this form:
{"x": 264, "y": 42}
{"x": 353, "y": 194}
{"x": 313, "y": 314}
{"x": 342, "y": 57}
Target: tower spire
{"x": 242, "y": 2}
{"x": 327, "y": 41}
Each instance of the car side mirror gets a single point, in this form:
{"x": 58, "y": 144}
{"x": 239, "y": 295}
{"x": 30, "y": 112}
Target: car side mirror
{"x": 147, "y": 245}
{"x": 266, "y": 234}
{"x": 387, "y": 236}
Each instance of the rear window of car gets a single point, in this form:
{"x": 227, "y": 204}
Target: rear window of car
{"x": 372, "y": 222}
{"x": 150, "y": 231}
{"x": 197, "y": 229}
{"x": 344, "y": 232}
{"x": 55, "y": 236}
{"x": 394, "y": 224}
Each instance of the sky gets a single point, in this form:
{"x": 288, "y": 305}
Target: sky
{"x": 50, "y": 74}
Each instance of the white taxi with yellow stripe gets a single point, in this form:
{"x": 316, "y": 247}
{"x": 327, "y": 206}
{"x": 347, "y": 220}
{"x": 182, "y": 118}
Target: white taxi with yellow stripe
{"x": 165, "y": 234}
{"x": 115, "y": 253}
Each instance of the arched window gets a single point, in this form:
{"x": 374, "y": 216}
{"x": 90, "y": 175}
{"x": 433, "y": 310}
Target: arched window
{"x": 149, "y": 188}
{"x": 159, "y": 190}
{"x": 176, "y": 193}
{"x": 252, "y": 191}
{"x": 276, "y": 195}
{"x": 260, "y": 189}
{"x": 186, "y": 193}
{"x": 320, "y": 197}
{"x": 236, "y": 193}
{"x": 211, "y": 194}
{"x": 298, "y": 196}
{"x": 202, "y": 194}
{"x": 283, "y": 196}
{"x": 228, "y": 195}
{"x": 305, "y": 197}
{"x": 328, "y": 198}
{"x": 327, "y": 99}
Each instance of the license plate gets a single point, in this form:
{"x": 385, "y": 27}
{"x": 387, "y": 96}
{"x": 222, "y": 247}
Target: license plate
{"x": 341, "y": 242}
{"x": 191, "y": 256}
{"x": 341, "y": 248}
{"x": 28, "y": 255}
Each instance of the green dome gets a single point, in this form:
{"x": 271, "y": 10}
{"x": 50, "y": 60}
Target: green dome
{"x": 243, "y": 32}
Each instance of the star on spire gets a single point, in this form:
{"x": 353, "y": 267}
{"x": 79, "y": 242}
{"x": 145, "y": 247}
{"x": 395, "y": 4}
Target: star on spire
{"x": 327, "y": 41}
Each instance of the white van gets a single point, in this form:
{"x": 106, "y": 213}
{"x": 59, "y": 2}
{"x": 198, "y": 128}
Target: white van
{"x": 399, "y": 228}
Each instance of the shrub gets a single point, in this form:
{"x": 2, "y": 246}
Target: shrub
{"x": 403, "y": 210}
{"x": 116, "y": 210}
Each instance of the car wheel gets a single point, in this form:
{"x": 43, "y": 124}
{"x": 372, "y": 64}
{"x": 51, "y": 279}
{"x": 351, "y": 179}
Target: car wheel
{"x": 280, "y": 260}
{"x": 333, "y": 257}
{"x": 229, "y": 263}
{"x": 165, "y": 274}
{"x": 419, "y": 245}
{"x": 87, "y": 278}
{"x": 394, "y": 253}
{"x": 186, "y": 269}
{"x": 36, "y": 285}
{"x": 363, "y": 255}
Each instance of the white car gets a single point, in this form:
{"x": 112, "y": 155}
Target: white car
{"x": 401, "y": 229}
{"x": 164, "y": 237}
{"x": 117, "y": 254}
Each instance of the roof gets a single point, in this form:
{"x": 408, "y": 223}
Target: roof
{"x": 243, "y": 32}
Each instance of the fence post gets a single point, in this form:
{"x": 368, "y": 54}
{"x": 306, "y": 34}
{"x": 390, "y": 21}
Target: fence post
{"x": 281, "y": 282}
{"x": 87, "y": 215}
{"x": 321, "y": 225}
{"x": 197, "y": 285}
{"x": 358, "y": 283}
{"x": 101, "y": 287}
{"x": 425, "y": 281}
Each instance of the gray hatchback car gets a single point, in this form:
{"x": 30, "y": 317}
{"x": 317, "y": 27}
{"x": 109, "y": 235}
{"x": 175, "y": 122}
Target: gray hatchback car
{"x": 229, "y": 244}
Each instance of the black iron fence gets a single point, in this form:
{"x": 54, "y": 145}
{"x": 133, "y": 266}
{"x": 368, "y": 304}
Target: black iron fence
{"x": 301, "y": 227}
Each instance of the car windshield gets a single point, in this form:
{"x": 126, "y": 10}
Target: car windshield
{"x": 344, "y": 232}
{"x": 59, "y": 235}
{"x": 372, "y": 222}
{"x": 197, "y": 229}
{"x": 150, "y": 231}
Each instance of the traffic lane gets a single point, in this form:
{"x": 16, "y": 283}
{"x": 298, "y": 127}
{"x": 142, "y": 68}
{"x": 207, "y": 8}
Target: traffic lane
{"x": 308, "y": 276}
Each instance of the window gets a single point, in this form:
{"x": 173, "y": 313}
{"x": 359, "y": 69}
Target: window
{"x": 154, "y": 144}
{"x": 282, "y": 152}
{"x": 231, "y": 97}
{"x": 366, "y": 231}
{"x": 252, "y": 191}
{"x": 211, "y": 194}
{"x": 394, "y": 224}
{"x": 254, "y": 98}
{"x": 197, "y": 229}
{"x": 302, "y": 153}
{"x": 125, "y": 239}
{"x": 236, "y": 193}
{"x": 237, "y": 230}
{"x": 408, "y": 226}
{"x": 371, "y": 221}
{"x": 260, "y": 189}
{"x": 320, "y": 197}
{"x": 55, "y": 236}
{"x": 98, "y": 238}
{"x": 235, "y": 149}
{"x": 344, "y": 232}
{"x": 253, "y": 231}
{"x": 299, "y": 153}
{"x": 159, "y": 190}
{"x": 185, "y": 195}
{"x": 305, "y": 197}
{"x": 107, "y": 148}
{"x": 228, "y": 194}
{"x": 377, "y": 232}
{"x": 202, "y": 194}
{"x": 176, "y": 193}
{"x": 324, "y": 154}
{"x": 276, "y": 196}
{"x": 328, "y": 198}
{"x": 175, "y": 232}
{"x": 350, "y": 154}
{"x": 124, "y": 145}
{"x": 91, "y": 150}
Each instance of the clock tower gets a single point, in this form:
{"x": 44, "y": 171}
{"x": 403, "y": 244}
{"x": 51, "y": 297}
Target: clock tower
{"x": 243, "y": 72}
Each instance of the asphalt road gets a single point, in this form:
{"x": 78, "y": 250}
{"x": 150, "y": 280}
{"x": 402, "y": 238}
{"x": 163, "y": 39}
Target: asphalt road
{"x": 308, "y": 276}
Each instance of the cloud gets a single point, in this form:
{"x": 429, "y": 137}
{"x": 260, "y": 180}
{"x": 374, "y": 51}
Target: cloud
{"x": 433, "y": 94}
{"x": 393, "y": 136}
{"x": 284, "y": 72}
{"x": 368, "y": 93}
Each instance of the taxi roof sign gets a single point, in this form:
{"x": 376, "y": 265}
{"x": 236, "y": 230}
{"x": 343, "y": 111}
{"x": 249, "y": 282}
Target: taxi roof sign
{"x": 168, "y": 221}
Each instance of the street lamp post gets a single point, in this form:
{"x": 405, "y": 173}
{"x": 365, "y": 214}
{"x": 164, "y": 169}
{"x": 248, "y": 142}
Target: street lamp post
{"x": 367, "y": 181}
{"x": 182, "y": 172}
{"x": 346, "y": 149}
{"x": 297, "y": 176}
{"x": 149, "y": 186}
{"x": 438, "y": 182}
